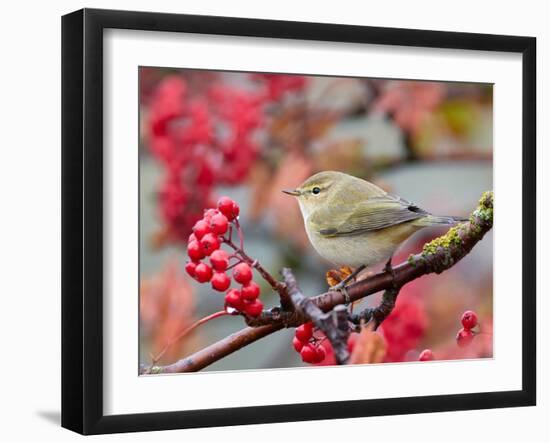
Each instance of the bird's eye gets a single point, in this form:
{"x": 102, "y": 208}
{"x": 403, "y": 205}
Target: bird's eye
{"x": 316, "y": 190}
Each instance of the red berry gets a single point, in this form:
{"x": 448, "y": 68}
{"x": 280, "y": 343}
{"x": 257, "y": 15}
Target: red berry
{"x": 209, "y": 213}
{"x": 233, "y": 299}
{"x": 225, "y": 205}
{"x": 242, "y": 273}
{"x": 250, "y": 291}
{"x": 219, "y": 224}
{"x": 228, "y": 208}
{"x": 203, "y": 272}
{"x": 191, "y": 238}
{"x": 320, "y": 354}
{"x": 190, "y": 268}
{"x": 426, "y": 355}
{"x": 254, "y": 308}
{"x": 220, "y": 281}
{"x": 464, "y": 337}
{"x": 201, "y": 228}
{"x": 308, "y": 353}
{"x": 469, "y": 320}
{"x": 219, "y": 259}
{"x": 194, "y": 250}
{"x": 209, "y": 243}
{"x": 236, "y": 210}
{"x": 304, "y": 332}
{"x": 298, "y": 345}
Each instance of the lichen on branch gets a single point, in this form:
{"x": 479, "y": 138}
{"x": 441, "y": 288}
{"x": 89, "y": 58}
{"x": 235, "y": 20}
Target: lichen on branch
{"x": 443, "y": 252}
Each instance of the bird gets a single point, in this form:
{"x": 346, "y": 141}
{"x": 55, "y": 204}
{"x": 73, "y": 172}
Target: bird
{"x": 352, "y": 222}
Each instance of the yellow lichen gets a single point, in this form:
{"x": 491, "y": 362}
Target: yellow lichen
{"x": 486, "y": 200}
{"x": 484, "y": 212}
{"x": 451, "y": 238}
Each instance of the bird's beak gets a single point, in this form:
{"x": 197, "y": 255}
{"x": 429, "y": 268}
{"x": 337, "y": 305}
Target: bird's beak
{"x": 293, "y": 192}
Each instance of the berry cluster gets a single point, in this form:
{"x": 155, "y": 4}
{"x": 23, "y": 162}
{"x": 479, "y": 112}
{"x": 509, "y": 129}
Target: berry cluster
{"x": 209, "y": 233}
{"x": 466, "y": 334}
{"x": 310, "y": 348}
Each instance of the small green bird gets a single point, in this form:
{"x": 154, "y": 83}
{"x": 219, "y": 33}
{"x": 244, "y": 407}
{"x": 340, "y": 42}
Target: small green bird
{"x": 352, "y": 222}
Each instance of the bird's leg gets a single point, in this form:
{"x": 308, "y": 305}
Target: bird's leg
{"x": 389, "y": 269}
{"x": 345, "y": 281}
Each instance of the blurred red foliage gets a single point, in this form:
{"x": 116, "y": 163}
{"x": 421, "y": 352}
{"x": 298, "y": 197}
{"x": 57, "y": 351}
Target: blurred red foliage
{"x": 166, "y": 307}
{"x": 404, "y": 328}
{"x": 185, "y": 137}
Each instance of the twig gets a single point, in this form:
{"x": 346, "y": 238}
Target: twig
{"x": 276, "y": 285}
{"x": 333, "y": 324}
{"x": 217, "y": 351}
{"x": 379, "y": 313}
{"x": 187, "y": 331}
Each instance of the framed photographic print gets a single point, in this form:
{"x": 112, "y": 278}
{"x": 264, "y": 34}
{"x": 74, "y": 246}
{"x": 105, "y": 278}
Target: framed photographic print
{"x": 269, "y": 221}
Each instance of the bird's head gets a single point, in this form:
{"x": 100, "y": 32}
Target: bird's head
{"x": 318, "y": 190}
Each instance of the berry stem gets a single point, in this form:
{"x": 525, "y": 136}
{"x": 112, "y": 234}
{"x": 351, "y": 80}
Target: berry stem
{"x": 229, "y": 233}
{"x": 234, "y": 264}
{"x": 240, "y": 232}
{"x": 187, "y": 331}
{"x": 276, "y": 285}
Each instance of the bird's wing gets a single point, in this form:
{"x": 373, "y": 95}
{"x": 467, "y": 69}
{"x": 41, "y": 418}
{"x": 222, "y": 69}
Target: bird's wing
{"x": 370, "y": 215}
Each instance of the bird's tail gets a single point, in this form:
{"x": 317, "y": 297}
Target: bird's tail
{"x": 433, "y": 220}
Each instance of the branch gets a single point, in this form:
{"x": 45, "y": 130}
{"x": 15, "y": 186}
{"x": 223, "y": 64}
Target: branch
{"x": 436, "y": 256}
{"x": 186, "y": 331}
{"x": 217, "y": 351}
{"x": 379, "y": 313}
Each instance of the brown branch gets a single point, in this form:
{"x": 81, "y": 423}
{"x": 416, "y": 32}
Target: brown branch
{"x": 437, "y": 256}
{"x": 217, "y": 351}
{"x": 378, "y": 314}
{"x": 186, "y": 331}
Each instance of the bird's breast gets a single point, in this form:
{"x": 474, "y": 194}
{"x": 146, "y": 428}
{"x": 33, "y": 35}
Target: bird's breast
{"x": 369, "y": 248}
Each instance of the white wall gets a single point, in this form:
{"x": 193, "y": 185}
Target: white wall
{"x": 30, "y": 216}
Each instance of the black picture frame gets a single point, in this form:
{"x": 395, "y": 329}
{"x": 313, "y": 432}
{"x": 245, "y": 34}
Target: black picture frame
{"x": 82, "y": 220}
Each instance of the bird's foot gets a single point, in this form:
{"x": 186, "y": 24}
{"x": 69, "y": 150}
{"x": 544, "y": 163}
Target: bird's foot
{"x": 389, "y": 269}
{"x": 341, "y": 286}
{"x": 338, "y": 283}
{"x": 335, "y": 276}
{"x": 343, "y": 289}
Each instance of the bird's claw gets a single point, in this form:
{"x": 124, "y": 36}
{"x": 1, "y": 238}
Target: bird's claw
{"x": 341, "y": 287}
{"x": 389, "y": 269}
